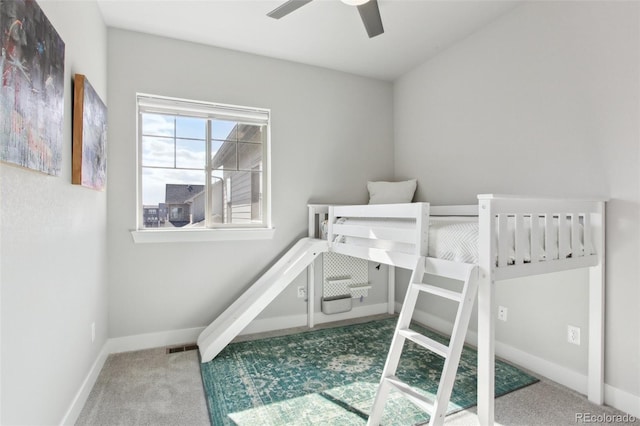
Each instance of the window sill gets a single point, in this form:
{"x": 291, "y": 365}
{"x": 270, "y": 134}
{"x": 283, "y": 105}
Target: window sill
{"x": 201, "y": 235}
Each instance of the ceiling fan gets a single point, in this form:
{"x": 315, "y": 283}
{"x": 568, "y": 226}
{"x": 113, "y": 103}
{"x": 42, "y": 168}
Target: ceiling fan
{"x": 368, "y": 9}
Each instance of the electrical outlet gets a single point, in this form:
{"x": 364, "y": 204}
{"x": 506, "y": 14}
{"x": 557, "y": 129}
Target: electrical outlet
{"x": 502, "y": 313}
{"x": 93, "y": 332}
{"x": 302, "y": 292}
{"x": 573, "y": 335}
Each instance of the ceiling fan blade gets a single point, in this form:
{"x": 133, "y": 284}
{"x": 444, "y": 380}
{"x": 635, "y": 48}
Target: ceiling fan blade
{"x": 287, "y": 8}
{"x": 371, "y": 19}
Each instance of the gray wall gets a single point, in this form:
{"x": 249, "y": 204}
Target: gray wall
{"x": 331, "y": 132}
{"x": 544, "y": 101}
{"x": 53, "y": 254}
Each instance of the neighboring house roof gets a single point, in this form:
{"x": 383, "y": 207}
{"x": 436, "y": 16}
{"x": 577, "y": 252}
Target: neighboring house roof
{"x": 226, "y": 155}
{"x": 248, "y": 133}
{"x": 179, "y": 193}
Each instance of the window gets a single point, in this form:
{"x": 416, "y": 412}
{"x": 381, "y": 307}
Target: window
{"x": 201, "y": 165}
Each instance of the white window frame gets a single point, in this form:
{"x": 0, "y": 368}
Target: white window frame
{"x": 146, "y": 103}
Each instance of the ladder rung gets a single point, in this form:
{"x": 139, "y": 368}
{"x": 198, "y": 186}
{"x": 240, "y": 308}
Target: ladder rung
{"x": 425, "y": 342}
{"x": 439, "y": 291}
{"x": 411, "y": 394}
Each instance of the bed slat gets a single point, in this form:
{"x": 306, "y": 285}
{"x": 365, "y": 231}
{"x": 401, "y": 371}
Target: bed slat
{"x": 520, "y": 239}
{"x": 576, "y": 250}
{"x": 402, "y": 235}
{"x": 550, "y": 238}
{"x": 503, "y": 241}
{"x": 535, "y": 238}
{"x": 563, "y": 236}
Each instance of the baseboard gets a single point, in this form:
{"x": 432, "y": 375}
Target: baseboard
{"x": 153, "y": 340}
{"x": 357, "y": 312}
{"x": 72, "y": 414}
{"x": 622, "y": 400}
{"x": 614, "y": 397}
{"x": 259, "y": 325}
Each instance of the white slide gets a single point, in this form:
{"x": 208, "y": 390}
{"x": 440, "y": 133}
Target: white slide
{"x": 244, "y": 310}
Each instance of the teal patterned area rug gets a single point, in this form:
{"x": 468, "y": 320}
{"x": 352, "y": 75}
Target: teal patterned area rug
{"x": 330, "y": 376}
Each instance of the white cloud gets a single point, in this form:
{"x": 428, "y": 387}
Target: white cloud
{"x": 157, "y": 152}
{"x": 158, "y": 125}
{"x": 190, "y": 154}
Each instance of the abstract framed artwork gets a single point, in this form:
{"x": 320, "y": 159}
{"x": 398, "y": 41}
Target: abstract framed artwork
{"x": 89, "y": 155}
{"x": 31, "y": 88}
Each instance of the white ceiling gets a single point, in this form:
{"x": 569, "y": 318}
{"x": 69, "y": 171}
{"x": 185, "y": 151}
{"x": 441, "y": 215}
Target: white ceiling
{"x": 326, "y": 33}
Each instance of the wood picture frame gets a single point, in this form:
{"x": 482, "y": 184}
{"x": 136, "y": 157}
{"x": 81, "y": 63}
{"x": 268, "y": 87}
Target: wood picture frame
{"x": 89, "y": 151}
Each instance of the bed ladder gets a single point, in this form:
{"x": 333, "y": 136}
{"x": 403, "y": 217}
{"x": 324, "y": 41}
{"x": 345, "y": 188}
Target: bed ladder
{"x": 437, "y": 408}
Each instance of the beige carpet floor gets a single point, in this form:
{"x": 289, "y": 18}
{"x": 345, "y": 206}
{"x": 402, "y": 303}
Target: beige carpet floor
{"x": 151, "y": 387}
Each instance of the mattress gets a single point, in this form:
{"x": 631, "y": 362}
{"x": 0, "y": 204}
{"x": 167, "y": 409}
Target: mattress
{"x": 451, "y": 238}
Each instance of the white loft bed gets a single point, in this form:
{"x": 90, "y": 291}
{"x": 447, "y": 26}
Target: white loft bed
{"x": 510, "y": 229}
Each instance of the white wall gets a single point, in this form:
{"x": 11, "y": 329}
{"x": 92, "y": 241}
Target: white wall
{"x": 543, "y": 101}
{"x": 330, "y": 133}
{"x": 53, "y": 262}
